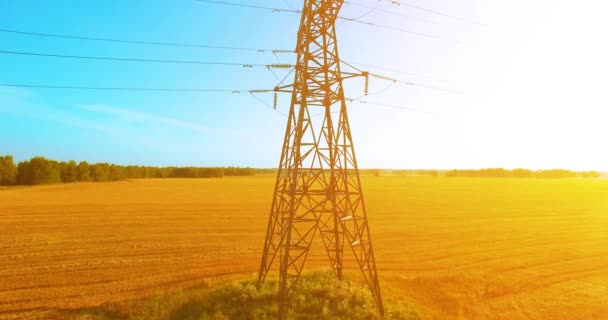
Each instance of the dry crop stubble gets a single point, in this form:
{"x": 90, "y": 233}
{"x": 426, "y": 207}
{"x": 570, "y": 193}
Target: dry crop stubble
{"x": 452, "y": 247}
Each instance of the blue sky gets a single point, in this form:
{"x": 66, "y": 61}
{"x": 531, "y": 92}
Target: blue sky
{"x": 147, "y": 128}
{"x": 503, "y": 119}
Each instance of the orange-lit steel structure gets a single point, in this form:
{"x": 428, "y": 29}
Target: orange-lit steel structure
{"x": 318, "y": 189}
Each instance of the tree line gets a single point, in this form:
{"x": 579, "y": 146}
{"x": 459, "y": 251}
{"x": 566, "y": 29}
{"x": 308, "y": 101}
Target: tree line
{"x": 40, "y": 170}
{"x": 523, "y": 173}
{"x": 400, "y": 172}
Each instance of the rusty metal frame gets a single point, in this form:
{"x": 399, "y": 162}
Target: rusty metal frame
{"x": 318, "y": 188}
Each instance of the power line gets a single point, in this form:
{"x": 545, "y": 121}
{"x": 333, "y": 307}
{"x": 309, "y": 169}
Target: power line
{"x": 368, "y": 23}
{"x": 393, "y": 13}
{"x": 273, "y": 9}
{"x": 247, "y": 65}
{"x": 397, "y": 80}
{"x": 175, "y": 44}
{"x": 251, "y": 92}
{"x": 121, "y": 88}
{"x": 205, "y": 90}
{"x": 201, "y": 46}
{"x": 253, "y": 95}
{"x": 233, "y": 91}
{"x": 371, "y": 9}
{"x": 421, "y": 85}
{"x": 439, "y": 13}
{"x": 394, "y": 71}
{"x": 421, "y": 34}
{"x": 392, "y": 106}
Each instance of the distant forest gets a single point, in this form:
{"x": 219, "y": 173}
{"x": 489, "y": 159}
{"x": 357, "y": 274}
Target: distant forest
{"x": 39, "y": 170}
{"x": 523, "y": 173}
{"x": 487, "y": 173}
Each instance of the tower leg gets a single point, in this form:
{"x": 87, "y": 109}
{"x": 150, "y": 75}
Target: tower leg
{"x": 280, "y": 203}
{"x": 354, "y": 222}
{"x": 304, "y": 201}
{"x": 318, "y": 188}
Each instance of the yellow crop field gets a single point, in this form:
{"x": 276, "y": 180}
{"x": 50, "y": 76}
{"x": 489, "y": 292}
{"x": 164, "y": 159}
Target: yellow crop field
{"x": 453, "y": 248}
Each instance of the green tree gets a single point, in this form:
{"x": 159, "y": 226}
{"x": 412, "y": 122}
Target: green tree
{"x": 38, "y": 170}
{"x": 555, "y": 174}
{"x": 24, "y": 173}
{"x": 8, "y": 171}
{"x": 84, "y": 171}
{"x": 523, "y": 173}
{"x": 69, "y": 171}
{"x": 100, "y": 172}
{"x": 44, "y": 171}
{"x": 116, "y": 173}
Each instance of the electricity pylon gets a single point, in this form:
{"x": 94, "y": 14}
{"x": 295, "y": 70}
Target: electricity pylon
{"x": 318, "y": 188}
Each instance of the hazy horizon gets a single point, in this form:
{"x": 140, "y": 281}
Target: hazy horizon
{"x": 275, "y": 167}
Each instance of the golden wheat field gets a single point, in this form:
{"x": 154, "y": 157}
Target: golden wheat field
{"x": 453, "y": 248}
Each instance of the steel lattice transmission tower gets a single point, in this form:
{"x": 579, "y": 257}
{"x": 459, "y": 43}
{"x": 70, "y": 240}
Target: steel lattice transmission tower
{"x": 318, "y": 188}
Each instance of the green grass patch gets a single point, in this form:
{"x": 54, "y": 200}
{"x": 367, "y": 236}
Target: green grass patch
{"x": 318, "y": 296}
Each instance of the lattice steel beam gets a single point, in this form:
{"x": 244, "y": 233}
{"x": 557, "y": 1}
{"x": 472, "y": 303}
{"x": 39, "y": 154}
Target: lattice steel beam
{"x": 318, "y": 188}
